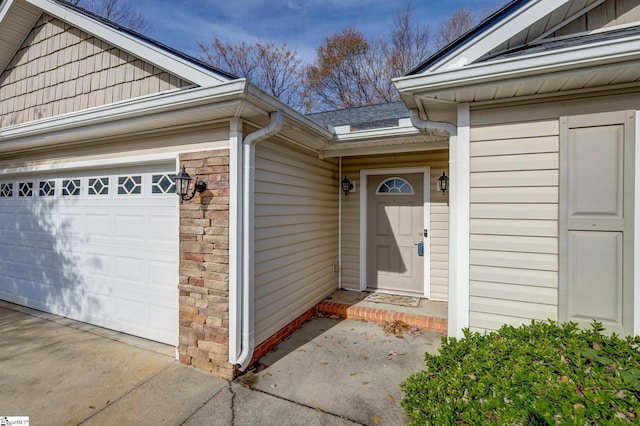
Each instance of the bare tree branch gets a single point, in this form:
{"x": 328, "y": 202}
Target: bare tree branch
{"x": 118, "y": 11}
{"x": 273, "y": 67}
{"x": 458, "y": 23}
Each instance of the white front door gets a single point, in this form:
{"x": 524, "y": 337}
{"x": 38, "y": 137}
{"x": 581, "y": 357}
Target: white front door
{"x": 397, "y": 248}
{"x": 596, "y": 238}
{"x": 99, "y": 246}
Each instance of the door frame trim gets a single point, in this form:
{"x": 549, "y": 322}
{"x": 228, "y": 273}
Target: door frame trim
{"x": 364, "y": 174}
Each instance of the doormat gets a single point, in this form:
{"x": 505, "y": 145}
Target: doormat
{"x": 393, "y": 299}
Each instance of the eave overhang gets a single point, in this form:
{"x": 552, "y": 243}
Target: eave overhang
{"x": 402, "y": 138}
{"x": 174, "y": 110}
{"x": 591, "y": 65}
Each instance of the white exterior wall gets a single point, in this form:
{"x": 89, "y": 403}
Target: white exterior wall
{"x": 296, "y": 234}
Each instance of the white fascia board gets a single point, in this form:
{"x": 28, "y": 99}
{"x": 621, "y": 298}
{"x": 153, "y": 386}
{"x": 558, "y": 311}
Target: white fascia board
{"x": 139, "y": 107}
{"x": 575, "y": 57}
{"x": 494, "y": 36}
{"x": 138, "y": 48}
{"x": 383, "y": 149}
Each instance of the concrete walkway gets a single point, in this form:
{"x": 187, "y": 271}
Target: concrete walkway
{"x": 330, "y": 372}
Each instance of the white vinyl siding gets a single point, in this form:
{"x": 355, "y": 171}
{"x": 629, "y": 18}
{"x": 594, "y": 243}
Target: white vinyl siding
{"x": 296, "y": 234}
{"x": 439, "y": 162}
{"x": 514, "y": 223}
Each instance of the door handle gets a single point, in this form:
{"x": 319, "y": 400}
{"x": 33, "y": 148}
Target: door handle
{"x": 420, "y": 245}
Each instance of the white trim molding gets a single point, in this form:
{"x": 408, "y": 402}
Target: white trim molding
{"x": 364, "y": 174}
{"x": 495, "y": 35}
{"x": 636, "y": 231}
{"x": 459, "y": 186}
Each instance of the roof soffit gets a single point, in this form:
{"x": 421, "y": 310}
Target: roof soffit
{"x": 17, "y": 18}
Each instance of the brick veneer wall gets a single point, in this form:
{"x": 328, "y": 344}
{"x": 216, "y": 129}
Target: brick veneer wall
{"x": 204, "y": 266}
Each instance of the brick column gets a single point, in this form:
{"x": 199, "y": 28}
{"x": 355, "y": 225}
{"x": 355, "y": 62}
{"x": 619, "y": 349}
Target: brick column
{"x": 204, "y": 266}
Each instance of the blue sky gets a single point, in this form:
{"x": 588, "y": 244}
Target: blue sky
{"x": 302, "y": 24}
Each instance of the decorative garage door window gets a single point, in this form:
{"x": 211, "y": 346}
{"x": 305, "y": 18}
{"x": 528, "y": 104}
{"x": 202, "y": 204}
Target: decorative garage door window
{"x": 6, "y": 190}
{"x": 155, "y": 184}
{"x": 395, "y": 186}
{"x": 98, "y": 186}
{"x": 70, "y": 187}
{"x": 47, "y": 188}
{"x": 162, "y": 184}
{"x": 129, "y": 185}
{"x": 25, "y": 189}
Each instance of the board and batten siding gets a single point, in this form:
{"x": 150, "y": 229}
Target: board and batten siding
{"x": 609, "y": 14}
{"x": 514, "y": 223}
{"x": 296, "y": 234}
{"x": 438, "y": 160}
{"x": 59, "y": 69}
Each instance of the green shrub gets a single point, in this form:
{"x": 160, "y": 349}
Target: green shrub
{"x": 538, "y": 374}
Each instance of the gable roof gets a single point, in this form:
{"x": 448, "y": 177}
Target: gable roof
{"x": 531, "y": 48}
{"x": 17, "y": 17}
{"x": 151, "y": 41}
{"x": 516, "y": 24}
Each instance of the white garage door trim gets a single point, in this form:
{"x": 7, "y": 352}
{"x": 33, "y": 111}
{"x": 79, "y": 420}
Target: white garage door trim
{"x": 96, "y": 245}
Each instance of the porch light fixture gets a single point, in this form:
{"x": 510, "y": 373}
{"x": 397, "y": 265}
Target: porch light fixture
{"x": 443, "y": 183}
{"x": 346, "y": 186}
{"x": 183, "y": 181}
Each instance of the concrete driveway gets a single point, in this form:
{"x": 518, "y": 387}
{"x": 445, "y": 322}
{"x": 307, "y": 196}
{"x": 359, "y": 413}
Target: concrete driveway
{"x": 330, "y": 372}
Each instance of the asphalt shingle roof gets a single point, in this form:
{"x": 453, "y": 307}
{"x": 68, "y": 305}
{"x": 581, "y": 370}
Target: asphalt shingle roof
{"x": 364, "y": 117}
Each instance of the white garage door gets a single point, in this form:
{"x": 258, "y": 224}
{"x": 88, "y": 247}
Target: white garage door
{"x": 99, "y": 246}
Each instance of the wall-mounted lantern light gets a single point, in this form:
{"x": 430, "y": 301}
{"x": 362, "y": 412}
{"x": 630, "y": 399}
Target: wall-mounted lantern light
{"x": 346, "y": 186}
{"x": 443, "y": 183}
{"x": 183, "y": 181}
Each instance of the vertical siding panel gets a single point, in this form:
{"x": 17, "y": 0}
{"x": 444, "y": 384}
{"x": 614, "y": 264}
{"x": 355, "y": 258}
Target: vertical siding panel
{"x": 296, "y": 234}
{"x": 514, "y": 223}
{"x": 351, "y": 167}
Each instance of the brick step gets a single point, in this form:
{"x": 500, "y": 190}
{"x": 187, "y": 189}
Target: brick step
{"x": 423, "y": 322}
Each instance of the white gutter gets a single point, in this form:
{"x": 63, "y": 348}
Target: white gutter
{"x": 437, "y": 126}
{"x": 248, "y": 184}
{"x": 600, "y": 55}
{"x": 47, "y": 132}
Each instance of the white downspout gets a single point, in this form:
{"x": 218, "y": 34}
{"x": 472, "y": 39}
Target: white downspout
{"x": 248, "y": 187}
